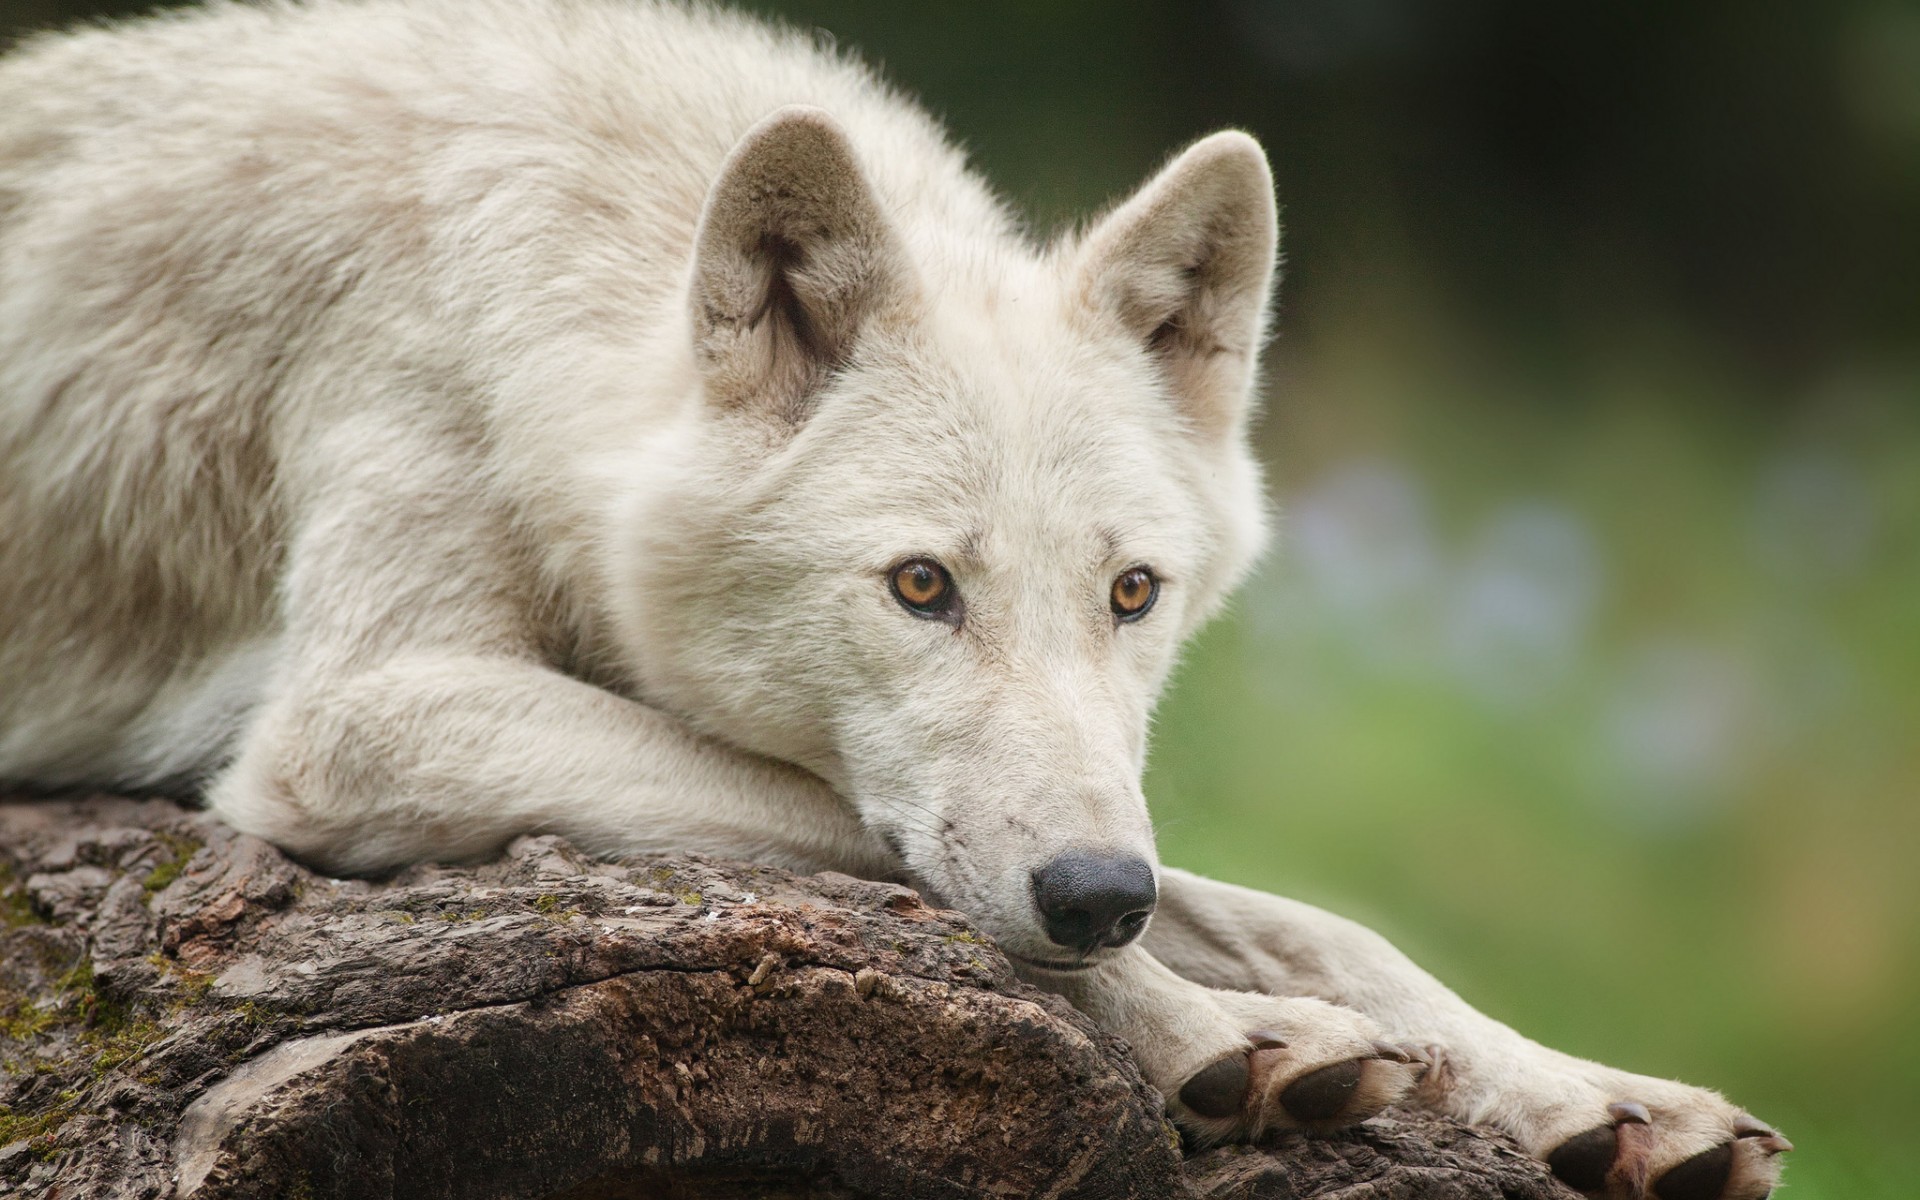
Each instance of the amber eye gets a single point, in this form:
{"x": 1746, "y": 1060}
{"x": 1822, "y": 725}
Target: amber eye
{"x": 1133, "y": 593}
{"x": 924, "y": 587}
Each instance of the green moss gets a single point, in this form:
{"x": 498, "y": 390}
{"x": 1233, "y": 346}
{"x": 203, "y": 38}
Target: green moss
{"x": 83, "y": 1001}
{"x": 693, "y": 898}
{"x": 76, "y": 1002}
{"x": 19, "y": 1126}
{"x": 111, "y": 1032}
{"x": 123, "y": 1045}
{"x": 79, "y": 978}
{"x": 24, "y": 1020}
{"x": 179, "y": 850}
{"x": 193, "y": 985}
{"x": 16, "y": 910}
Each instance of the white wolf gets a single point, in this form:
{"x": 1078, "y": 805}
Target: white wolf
{"x": 424, "y": 422}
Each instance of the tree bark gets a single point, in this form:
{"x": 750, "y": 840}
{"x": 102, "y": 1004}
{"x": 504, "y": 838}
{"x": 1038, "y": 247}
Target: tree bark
{"x": 184, "y": 1012}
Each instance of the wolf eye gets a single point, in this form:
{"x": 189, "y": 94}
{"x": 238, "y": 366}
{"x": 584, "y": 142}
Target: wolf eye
{"x": 923, "y": 587}
{"x": 1134, "y": 592}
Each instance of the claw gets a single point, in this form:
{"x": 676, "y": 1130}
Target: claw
{"x": 1266, "y": 1039}
{"x": 1391, "y": 1052}
{"x": 1769, "y": 1139}
{"x": 1423, "y": 1060}
{"x": 1628, "y": 1112}
{"x": 1430, "y": 1061}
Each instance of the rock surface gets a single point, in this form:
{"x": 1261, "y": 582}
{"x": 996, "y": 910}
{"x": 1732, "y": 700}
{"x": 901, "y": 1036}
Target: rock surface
{"x": 184, "y": 1012}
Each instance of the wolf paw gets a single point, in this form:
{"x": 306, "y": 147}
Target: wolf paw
{"x": 1691, "y": 1147}
{"x": 1609, "y": 1133}
{"x": 1315, "y": 1068}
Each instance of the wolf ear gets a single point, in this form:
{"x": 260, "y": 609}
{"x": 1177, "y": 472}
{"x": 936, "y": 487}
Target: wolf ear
{"x": 792, "y": 257}
{"x": 1186, "y": 266}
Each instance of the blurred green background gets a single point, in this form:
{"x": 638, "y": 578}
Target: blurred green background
{"x": 1588, "y": 663}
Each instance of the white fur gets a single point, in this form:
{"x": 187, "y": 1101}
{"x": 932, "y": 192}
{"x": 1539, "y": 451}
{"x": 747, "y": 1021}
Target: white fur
{"x": 424, "y": 423}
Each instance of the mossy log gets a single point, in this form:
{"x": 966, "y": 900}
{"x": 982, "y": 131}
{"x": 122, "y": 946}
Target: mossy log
{"x": 184, "y": 1012}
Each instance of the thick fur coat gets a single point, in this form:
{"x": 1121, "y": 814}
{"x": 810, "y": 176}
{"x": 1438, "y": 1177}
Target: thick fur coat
{"x": 425, "y": 423}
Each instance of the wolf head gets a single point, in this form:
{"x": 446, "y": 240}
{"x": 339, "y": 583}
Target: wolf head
{"x": 945, "y": 510}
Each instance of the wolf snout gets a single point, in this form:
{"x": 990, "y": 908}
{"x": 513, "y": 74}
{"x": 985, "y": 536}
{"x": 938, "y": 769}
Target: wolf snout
{"x": 1088, "y": 900}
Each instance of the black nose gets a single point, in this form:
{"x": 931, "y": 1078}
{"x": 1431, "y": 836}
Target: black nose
{"x": 1089, "y": 900}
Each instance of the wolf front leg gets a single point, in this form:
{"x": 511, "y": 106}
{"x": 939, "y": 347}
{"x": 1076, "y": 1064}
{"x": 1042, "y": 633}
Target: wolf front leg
{"x": 447, "y": 756}
{"x": 1234, "y": 1065}
{"x": 415, "y": 712}
{"x": 1603, "y": 1131}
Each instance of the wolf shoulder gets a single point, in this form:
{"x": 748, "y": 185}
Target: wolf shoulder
{"x": 247, "y": 247}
